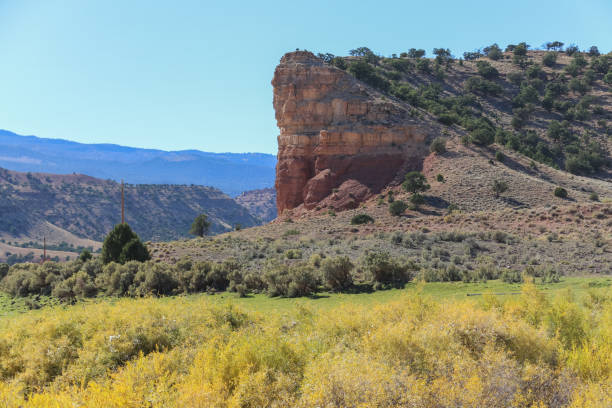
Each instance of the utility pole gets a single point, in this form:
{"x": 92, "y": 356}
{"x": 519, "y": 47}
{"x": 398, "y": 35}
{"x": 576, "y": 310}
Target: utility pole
{"x": 122, "y": 204}
{"x": 44, "y": 249}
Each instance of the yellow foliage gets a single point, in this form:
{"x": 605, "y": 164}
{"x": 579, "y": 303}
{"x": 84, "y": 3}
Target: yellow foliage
{"x": 187, "y": 352}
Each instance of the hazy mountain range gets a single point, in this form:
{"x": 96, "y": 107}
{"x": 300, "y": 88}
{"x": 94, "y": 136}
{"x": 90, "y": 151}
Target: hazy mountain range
{"x": 232, "y": 173}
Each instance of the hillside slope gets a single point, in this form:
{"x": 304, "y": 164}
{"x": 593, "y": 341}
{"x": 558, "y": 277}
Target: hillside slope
{"x": 352, "y": 125}
{"x": 261, "y": 203}
{"x": 553, "y": 107}
{"x": 232, "y": 173}
{"x": 88, "y": 207}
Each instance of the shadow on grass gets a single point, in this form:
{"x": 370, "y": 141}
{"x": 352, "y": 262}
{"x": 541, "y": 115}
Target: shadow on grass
{"x": 316, "y": 296}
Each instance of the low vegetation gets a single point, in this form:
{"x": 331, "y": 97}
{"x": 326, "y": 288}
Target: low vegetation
{"x": 524, "y": 350}
{"x": 507, "y": 97}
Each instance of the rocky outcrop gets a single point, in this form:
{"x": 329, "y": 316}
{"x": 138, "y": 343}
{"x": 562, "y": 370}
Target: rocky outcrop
{"x": 340, "y": 141}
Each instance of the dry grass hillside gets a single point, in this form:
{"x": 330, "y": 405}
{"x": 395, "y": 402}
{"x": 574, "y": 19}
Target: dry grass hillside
{"x": 79, "y": 209}
{"x": 552, "y": 107}
{"x": 260, "y": 203}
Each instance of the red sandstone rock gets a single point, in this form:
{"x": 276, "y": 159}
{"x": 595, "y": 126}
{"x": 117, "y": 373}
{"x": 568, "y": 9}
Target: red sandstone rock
{"x": 338, "y": 137}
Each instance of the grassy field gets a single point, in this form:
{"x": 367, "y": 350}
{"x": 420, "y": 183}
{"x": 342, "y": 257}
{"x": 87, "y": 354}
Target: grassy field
{"x": 435, "y": 290}
{"x": 10, "y": 306}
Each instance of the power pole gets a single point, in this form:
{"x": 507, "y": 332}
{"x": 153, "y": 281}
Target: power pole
{"x": 122, "y": 204}
{"x": 44, "y": 249}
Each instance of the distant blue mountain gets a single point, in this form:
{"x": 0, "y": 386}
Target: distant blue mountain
{"x": 232, "y": 173}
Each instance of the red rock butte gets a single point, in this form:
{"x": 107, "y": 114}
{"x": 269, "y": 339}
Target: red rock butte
{"x": 340, "y": 140}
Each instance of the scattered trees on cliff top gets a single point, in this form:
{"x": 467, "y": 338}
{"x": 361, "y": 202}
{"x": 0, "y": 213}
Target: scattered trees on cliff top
{"x": 537, "y": 87}
{"x": 367, "y": 73}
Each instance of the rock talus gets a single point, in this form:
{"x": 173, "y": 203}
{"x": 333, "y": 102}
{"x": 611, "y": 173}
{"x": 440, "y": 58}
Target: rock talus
{"x": 340, "y": 141}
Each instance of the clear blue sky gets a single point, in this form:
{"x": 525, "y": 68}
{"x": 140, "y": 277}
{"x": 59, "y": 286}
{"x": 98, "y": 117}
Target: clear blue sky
{"x": 196, "y": 74}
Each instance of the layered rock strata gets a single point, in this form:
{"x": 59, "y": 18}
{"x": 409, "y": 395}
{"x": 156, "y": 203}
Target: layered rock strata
{"x": 340, "y": 141}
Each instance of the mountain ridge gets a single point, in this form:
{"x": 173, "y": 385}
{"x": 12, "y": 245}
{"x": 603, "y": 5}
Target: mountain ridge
{"x": 233, "y": 173}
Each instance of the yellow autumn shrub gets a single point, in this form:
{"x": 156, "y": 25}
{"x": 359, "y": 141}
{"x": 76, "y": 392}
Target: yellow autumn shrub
{"x": 531, "y": 351}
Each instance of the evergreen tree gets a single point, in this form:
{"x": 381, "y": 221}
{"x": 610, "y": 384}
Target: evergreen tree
{"x": 200, "y": 226}
{"x": 122, "y": 245}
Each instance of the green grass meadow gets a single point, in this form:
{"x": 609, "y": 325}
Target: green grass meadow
{"x": 263, "y": 303}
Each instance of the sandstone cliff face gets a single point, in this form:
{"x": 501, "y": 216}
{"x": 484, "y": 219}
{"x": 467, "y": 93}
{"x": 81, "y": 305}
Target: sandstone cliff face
{"x": 340, "y": 141}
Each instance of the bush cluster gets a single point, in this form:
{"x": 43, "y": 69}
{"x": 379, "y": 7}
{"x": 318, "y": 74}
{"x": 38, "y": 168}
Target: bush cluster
{"x": 438, "y": 145}
{"x": 386, "y": 270}
{"x": 87, "y": 279}
{"x": 362, "y": 219}
{"x": 413, "y": 352}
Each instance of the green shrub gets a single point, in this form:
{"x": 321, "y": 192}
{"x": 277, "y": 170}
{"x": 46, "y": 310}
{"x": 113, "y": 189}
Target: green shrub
{"x": 515, "y": 77}
{"x": 511, "y": 276}
{"x": 521, "y": 115}
{"x": 535, "y": 71}
{"x": 519, "y": 56}
{"x": 493, "y": 52}
{"x": 482, "y": 136}
{"x": 440, "y": 178}
{"x": 482, "y": 86}
{"x": 134, "y": 250}
{"x": 499, "y": 187}
{"x": 417, "y": 199}
{"x": 339, "y": 62}
{"x": 527, "y": 94}
{"x": 386, "y": 270}
{"x": 560, "y": 192}
{"x": 572, "y": 49}
{"x": 4, "y": 269}
{"x": 122, "y": 245}
{"x": 549, "y": 59}
{"x": 415, "y": 182}
{"x": 579, "y": 86}
{"x": 499, "y": 156}
{"x": 601, "y": 64}
{"x": 448, "y": 119}
{"x": 548, "y": 101}
{"x": 290, "y": 281}
{"x": 366, "y": 73}
{"x": 586, "y": 159}
{"x": 593, "y": 197}
{"x": 362, "y": 219}
{"x": 438, "y": 145}
{"x": 85, "y": 255}
{"x": 337, "y": 273}
{"x": 423, "y": 66}
{"x": 486, "y": 70}
{"x": 397, "y": 207}
{"x": 200, "y": 226}
{"x": 218, "y": 277}
{"x": 471, "y": 55}
{"x": 193, "y": 278}
{"x": 155, "y": 279}
{"x": 293, "y": 254}
{"x": 559, "y": 131}
{"x": 554, "y": 45}
{"x": 416, "y": 54}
